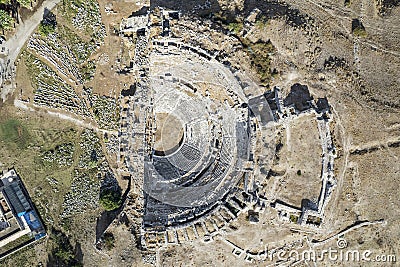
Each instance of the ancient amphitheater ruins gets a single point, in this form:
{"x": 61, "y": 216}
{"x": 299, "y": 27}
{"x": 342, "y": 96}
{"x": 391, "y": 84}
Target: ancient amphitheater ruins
{"x": 196, "y": 135}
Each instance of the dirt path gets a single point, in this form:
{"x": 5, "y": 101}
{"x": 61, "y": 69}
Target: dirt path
{"x": 26, "y": 28}
{"x": 17, "y": 41}
{"x": 63, "y": 116}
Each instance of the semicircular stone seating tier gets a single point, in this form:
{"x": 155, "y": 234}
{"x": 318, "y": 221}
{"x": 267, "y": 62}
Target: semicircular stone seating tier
{"x": 192, "y": 114}
{"x": 205, "y": 97}
{"x": 199, "y": 158}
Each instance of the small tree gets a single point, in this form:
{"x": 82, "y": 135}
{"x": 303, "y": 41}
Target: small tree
{"x": 235, "y": 27}
{"x": 6, "y": 20}
{"x": 358, "y": 28}
{"x": 48, "y": 24}
{"x": 46, "y": 28}
{"x": 110, "y": 199}
{"x": 109, "y": 240}
{"x": 63, "y": 250}
{"x": 360, "y": 32}
{"x": 25, "y": 3}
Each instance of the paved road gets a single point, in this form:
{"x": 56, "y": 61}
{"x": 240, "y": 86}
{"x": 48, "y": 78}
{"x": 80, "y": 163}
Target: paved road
{"x": 15, "y": 43}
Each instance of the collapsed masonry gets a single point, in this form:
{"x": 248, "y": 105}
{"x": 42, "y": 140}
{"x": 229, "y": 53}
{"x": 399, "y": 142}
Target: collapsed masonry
{"x": 298, "y": 103}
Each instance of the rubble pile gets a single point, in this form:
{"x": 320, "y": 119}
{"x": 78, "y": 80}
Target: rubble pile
{"x": 65, "y": 50}
{"x": 88, "y": 19}
{"x": 83, "y": 195}
{"x": 62, "y": 155}
{"x": 51, "y": 91}
{"x": 112, "y": 143}
{"x": 91, "y": 150}
{"x": 106, "y": 112}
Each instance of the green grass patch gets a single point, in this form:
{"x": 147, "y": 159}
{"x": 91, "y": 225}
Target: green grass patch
{"x": 48, "y": 186}
{"x": 259, "y": 54}
{"x": 37, "y": 70}
{"x": 25, "y": 257}
{"x": 106, "y": 112}
{"x": 12, "y": 131}
{"x": 79, "y": 47}
{"x": 19, "y": 241}
{"x": 89, "y": 16}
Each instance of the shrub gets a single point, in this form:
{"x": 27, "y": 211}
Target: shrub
{"x": 64, "y": 254}
{"x": 294, "y": 218}
{"x": 25, "y": 3}
{"x": 46, "y": 28}
{"x": 63, "y": 250}
{"x": 14, "y": 132}
{"x": 360, "y": 32}
{"x": 358, "y": 28}
{"x": 109, "y": 240}
{"x": 260, "y": 58}
{"x": 235, "y": 27}
{"x": 110, "y": 199}
{"x": 6, "y": 20}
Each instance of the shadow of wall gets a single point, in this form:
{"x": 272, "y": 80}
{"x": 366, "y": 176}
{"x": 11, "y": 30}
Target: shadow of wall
{"x": 189, "y": 7}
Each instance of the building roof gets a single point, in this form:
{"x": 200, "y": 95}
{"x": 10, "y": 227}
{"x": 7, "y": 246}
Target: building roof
{"x": 16, "y": 197}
